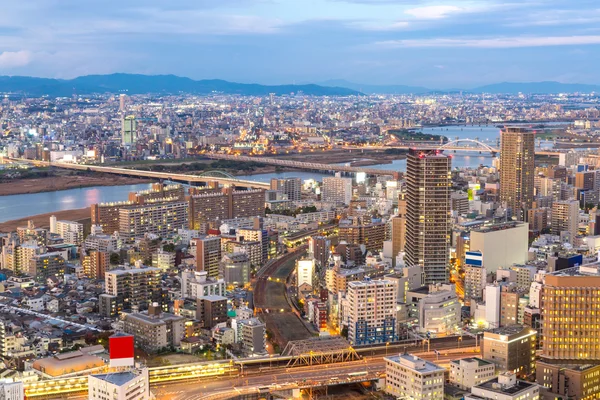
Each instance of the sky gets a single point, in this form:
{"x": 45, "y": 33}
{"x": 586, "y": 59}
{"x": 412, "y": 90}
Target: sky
{"x": 436, "y": 44}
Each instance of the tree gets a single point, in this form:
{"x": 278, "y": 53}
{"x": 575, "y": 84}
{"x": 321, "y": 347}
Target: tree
{"x": 169, "y": 248}
{"x": 344, "y": 332}
{"x": 115, "y": 258}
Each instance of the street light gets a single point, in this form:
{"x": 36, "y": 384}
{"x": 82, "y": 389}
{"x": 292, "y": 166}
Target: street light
{"x": 386, "y": 348}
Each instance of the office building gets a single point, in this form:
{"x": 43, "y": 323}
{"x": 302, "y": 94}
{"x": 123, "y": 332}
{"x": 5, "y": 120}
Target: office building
{"x": 154, "y": 330}
{"x": 570, "y": 320}
{"x": 439, "y": 310}
{"x": 410, "y": 377}
{"x": 235, "y": 268}
{"x": 506, "y": 387}
{"x": 428, "y": 213}
{"x": 565, "y": 219}
{"x": 207, "y": 250}
{"x": 569, "y": 381}
{"x": 468, "y": 372}
{"x": 134, "y": 286}
{"x": 371, "y": 313}
{"x": 511, "y": 348}
{"x": 127, "y": 385}
{"x": 501, "y": 245}
{"x": 337, "y": 189}
{"x": 128, "y": 130}
{"x": 517, "y": 169}
{"x": 292, "y": 187}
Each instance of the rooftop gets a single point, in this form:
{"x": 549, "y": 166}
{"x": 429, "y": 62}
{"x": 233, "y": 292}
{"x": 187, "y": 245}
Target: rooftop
{"x": 118, "y": 378}
{"x": 480, "y": 362}
{"x": 416, "y": 363}
{"x": 496, "y": 387}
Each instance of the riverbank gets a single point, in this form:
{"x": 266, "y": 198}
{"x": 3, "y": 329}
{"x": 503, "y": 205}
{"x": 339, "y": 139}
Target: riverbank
{"x": 82, "y": 215}
{"x": 60, "y": 182}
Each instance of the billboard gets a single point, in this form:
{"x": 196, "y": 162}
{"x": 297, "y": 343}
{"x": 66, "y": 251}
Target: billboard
{"x": 474, "y": 258}
{"x": 120, "y": 347}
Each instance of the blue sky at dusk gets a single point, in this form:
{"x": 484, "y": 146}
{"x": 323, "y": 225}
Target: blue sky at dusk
{"x": 437, "y": 44}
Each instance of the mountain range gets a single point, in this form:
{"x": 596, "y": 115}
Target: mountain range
{"x": 157, "y": 84}
{"x": 545, "y": 87}
{"x": 171, "y": 84}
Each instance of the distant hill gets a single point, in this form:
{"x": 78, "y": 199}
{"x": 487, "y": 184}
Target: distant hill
{"x": 158, "y": 84}
{"x": 548, "y": 87}
{"x": 171, "y": 84}
{"x": 376, "y": 89}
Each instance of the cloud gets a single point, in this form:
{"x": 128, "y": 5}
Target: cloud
{"x": 434, "y": 12}
{"x": 494, "y": 43}
{"x": 13, "y": 59}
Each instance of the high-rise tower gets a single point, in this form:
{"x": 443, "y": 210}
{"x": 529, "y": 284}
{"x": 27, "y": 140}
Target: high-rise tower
{"x": 517, "y": 164}
{"x": 428, "y": 213}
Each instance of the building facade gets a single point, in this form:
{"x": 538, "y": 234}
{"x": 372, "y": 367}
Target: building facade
{"x": 428, "y": 213}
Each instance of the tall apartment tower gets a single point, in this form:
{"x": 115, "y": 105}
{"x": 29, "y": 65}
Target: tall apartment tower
{"x": 517, "y": 164}
{"x": 428, "y": 213}
{"x": 290, "y": 186}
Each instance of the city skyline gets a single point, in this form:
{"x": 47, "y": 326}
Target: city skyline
{"x": 439, "y": 44}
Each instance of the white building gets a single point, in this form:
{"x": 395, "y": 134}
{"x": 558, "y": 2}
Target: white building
{"x": 371, "y": 312}
{"x": 11, "y": 390}
{"x": 504, "y": 387}
{"x": 337, "y": 189}
{"x": 119, "y": 386}
{"x": 439, "y": 311}
{"x": 70, "y": 231}
{"x": 195, "y": 284}
{"x": 410, "y": 377}
{"x": 305, "y": 271}
{"x": 501, "y": 245}
{"x": 492, "y": 305}
{"x": 469, "y": 372}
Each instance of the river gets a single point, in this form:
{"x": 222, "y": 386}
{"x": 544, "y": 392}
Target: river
{"x": 23, "y": 205}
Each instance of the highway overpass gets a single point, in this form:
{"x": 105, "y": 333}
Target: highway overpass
{"x": 184, "y": 178}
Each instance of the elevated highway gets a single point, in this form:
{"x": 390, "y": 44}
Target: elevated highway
{"x": 184, "y": 178}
